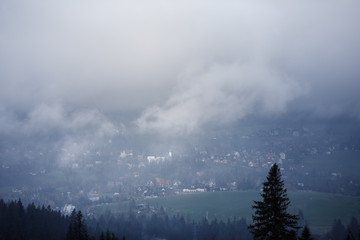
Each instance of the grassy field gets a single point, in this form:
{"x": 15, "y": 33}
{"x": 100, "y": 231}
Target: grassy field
{"x": 319, "y": 209}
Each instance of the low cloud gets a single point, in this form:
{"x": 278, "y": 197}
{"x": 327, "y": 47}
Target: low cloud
{"x": 221, "y": 94}
{"x": 56, "y": 128}
{"x": 54, "y": 117}
{"x": 176, "y": 66}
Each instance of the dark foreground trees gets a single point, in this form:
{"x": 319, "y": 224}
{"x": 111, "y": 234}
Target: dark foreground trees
{"x": 77, "y": 228}
{"x": 305, "y": 234}
{"x": 271, "y": 221}
{"x": 19, "y": 223}
{"x": 32, "y": 222}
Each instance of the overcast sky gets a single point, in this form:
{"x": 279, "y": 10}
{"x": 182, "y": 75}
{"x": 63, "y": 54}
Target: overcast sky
{"x": 178, "y": 65}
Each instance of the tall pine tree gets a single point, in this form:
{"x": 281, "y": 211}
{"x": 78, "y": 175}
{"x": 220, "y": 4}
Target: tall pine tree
{"x": 271, "y": 221}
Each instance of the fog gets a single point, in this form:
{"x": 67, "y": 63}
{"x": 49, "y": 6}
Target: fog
{"x": 78, "y": 69}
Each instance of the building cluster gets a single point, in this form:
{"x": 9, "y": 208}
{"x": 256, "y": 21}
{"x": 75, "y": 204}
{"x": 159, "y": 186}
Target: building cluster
{"x": 104, "y": 173}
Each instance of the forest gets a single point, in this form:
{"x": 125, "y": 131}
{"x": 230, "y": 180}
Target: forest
{"x": 39, "y": 222}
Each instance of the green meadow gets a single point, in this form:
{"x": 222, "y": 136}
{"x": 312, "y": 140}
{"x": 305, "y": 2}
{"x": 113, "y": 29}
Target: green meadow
{"x": 319, "y": 209}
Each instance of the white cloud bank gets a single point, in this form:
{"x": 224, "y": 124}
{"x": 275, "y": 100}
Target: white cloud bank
{"x": 221, "y": 94}
{"x": 179, "y": 64}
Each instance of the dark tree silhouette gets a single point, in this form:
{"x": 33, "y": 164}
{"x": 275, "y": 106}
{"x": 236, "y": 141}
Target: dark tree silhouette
{"x": 306, "y": 235}
{"x": 353, "y": 229}
{"x": 77, "y": 228}
{"x": 17, "y": 222}
{"x": 271, "y": 219}
{"x": 337, "y": 231}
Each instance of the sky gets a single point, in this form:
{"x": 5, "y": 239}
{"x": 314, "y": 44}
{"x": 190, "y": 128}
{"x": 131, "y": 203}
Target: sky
{"x": 176, "y": 66}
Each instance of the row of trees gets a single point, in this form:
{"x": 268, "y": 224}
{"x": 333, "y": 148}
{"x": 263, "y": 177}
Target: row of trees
{"x": 17, "y": 222}
{"x": 78, "y": 229}
{"x": 43, "y": 223}
{"x": 160, "y": 225}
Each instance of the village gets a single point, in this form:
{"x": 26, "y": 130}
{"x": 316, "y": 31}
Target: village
{"x": 111, "y": 174}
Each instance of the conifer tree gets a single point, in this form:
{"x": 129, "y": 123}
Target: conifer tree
{"x": 70, "y": 233}
{"x": 337, "y": 231}
{"x": 271, "y": 221}
{"x": 306, "y": 235}
{"x": 77, "y": 228}
{"x": 353, "y": 229}
{"x": 102, "y": 236}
